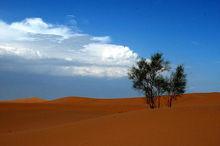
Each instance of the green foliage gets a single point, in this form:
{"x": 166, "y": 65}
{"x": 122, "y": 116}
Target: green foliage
{"x": 148, "y": 77}
{"x": 177, "y": 84}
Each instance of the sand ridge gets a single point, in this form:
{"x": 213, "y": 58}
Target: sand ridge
{"x": 26, "y": 100}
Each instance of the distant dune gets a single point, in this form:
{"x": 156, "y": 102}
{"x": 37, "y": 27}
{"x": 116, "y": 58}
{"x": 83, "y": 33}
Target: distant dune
{"x": 76, "y": 121}
{"x": 71, "y": 99}
{"x": 26, "y": 100}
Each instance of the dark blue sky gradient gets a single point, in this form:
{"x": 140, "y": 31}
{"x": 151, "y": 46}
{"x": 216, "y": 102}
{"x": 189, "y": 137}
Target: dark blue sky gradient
{"x": 187, "y": 32}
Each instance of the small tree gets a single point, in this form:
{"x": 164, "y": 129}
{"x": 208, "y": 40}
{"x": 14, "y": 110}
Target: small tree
{"x": 161, "y": 84}
{"x": 147, "y": 77}
{"x": 177, "y": 84}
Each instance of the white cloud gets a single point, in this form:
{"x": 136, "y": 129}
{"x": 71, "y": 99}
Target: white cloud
{"x": 97, "y": 71}
{"x": 62, "y": 51}
{"x": 38, "y": 26}
{"x": 110, "y": 54}
{"x": 21, "y": 52}
{"x": 104, "y": 39}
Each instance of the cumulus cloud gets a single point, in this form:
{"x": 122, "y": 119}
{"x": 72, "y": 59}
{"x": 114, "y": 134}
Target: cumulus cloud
{"x": 38, "y": 47}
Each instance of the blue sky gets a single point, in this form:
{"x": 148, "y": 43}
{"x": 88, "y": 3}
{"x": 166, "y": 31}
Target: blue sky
{"x": 110, "y": 34}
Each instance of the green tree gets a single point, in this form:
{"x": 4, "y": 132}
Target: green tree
{"x": 161, "y": 83}
{"x": 147, "y": 77}
{"x": 177, "y": 84}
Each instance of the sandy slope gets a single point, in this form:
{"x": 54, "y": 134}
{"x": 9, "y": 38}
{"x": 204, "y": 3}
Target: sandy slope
{"x": 193, "y": 121}
{"x": 26, "y": 100}
{"x": 20, "y": 116}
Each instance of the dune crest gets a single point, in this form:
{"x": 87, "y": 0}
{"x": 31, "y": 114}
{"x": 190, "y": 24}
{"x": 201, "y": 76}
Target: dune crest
{"x": 26, "y": 100}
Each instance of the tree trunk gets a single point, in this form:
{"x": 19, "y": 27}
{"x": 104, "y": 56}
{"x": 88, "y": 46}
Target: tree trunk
{"x": 152, "y": 103}
{"x": 147, "y": 102}
{"x": 158, "y": 100}
{"x": 170, "y": 101}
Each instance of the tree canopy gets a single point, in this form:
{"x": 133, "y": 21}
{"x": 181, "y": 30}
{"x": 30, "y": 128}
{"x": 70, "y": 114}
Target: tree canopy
{"x": 148, "y": 76}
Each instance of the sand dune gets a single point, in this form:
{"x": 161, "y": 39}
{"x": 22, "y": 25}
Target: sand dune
{"x": 20, "y": 116}
{"x": 26, "y": 100}
{"x": 194, "y": 120}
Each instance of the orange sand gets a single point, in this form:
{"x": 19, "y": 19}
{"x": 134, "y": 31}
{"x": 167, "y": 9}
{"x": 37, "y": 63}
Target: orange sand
{"x": 194, "y": 120}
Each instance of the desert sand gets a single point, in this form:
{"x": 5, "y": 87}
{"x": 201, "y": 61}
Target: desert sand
{"x": 194, "y": 120}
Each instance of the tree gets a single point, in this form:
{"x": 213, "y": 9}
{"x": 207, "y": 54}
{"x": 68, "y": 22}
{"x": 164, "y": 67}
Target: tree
{"x": 161, "y": 84}
{"x": 147, "y": 77}
{"x": 177, "y": 84}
